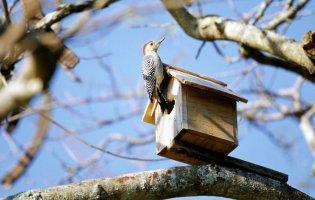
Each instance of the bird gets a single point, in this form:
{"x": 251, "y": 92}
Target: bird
{"x": 153, "y": 73}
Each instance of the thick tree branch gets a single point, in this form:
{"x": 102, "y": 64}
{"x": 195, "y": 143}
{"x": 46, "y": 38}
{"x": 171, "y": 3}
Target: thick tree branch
{"x": 33, "y": 13}
{"x": 36, "y": 74}
{"x": 264, "y": 59}
{"x": 209, "y": 180}
{"x": 218, "y": 28}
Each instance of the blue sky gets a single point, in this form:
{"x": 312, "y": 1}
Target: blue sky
{"x": 124, "y": 44}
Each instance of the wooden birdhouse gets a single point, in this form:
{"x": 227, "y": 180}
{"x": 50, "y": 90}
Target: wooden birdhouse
{"x": 203, "y": 119}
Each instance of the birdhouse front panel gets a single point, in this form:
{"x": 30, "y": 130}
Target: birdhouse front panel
{"x": 168, "y": 126}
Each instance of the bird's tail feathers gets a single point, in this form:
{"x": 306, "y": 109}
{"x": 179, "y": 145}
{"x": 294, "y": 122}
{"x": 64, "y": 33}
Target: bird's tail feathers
{"x": 165, "y": 105}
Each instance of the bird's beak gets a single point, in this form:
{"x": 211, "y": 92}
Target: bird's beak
{"x": 161, "y": 40}
{"x": 157, "y": 44}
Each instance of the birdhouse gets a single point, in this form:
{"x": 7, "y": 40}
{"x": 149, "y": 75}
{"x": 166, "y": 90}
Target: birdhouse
{"x": 203, "y": 118}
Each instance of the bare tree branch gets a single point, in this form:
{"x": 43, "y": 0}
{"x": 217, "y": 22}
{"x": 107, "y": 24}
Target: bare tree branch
{"x": 95, "y": 157}
{"x": 308, "y": 129}
{"x": 83, "y": 141}
{"x": 308, "y": 44}
{"x": 6, "y": 11}
{"x": 21, "y": 166}
{"x": 288, "y": 14}
{"x": 33, "y": 14}
{"x": 14, "y": 3}
{"x": 33, "y": 77}
{"x": 68, "y": 9}
{"x": 200, "y": 49}
{"x": 270, "y": 60}
{"x": 218, "y": 28}
{"x": 262, "y": 9}
{"x": 255, "y": 111}
{"x": 211, "y": 180}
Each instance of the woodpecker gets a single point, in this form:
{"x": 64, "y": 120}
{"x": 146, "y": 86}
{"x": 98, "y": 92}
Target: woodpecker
{"x": 153, "y": 73}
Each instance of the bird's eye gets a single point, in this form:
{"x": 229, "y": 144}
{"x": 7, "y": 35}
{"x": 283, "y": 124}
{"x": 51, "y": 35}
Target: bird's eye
{"x": 151, "y": 43}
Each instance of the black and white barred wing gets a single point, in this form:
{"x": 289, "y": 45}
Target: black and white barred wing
{"x": 148, "y": 73}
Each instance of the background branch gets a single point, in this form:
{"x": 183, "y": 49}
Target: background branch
{"x": 30, "y": 153}
{"x": 287, "y": 14}
{"x": 34, "y": 77}
{"x": 68, "y": 9}
{"x": 260, "y": 13}
{"x": 6, "y": 11}
{"x": 218, "y": 28}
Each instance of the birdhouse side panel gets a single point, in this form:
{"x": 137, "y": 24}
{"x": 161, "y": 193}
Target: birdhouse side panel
{"x": 210, "y": 120}
{"x": 210, "y": 114}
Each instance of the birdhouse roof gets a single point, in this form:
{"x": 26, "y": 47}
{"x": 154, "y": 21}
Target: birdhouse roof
{"x": 202, "y": 82}
{"x": 194, "y": 80}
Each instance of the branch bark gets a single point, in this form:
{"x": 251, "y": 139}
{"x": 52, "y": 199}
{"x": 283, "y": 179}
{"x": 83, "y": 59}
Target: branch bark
{"x": 212, "y": 27}
{"x": 33, "y": 15}
{"x": 268, "y": 60}
{"x": 209, "y": 180}
{"x": 44, "y": 51}
{"x": 68, "y": 9}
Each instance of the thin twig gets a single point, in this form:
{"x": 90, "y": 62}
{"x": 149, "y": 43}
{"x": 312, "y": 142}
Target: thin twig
{"x": 260, "y": 13}
{"x": 286, "y": 15}
{"x": 200, "y": 49}
{"x": 94, "y": 158}
{"x": 15, "y": 2}
{"x": 199, "y": 6}
{"x": 6, "y": 11}
{"x": 28, "y": 156}
{"x": 75, "y": 136}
